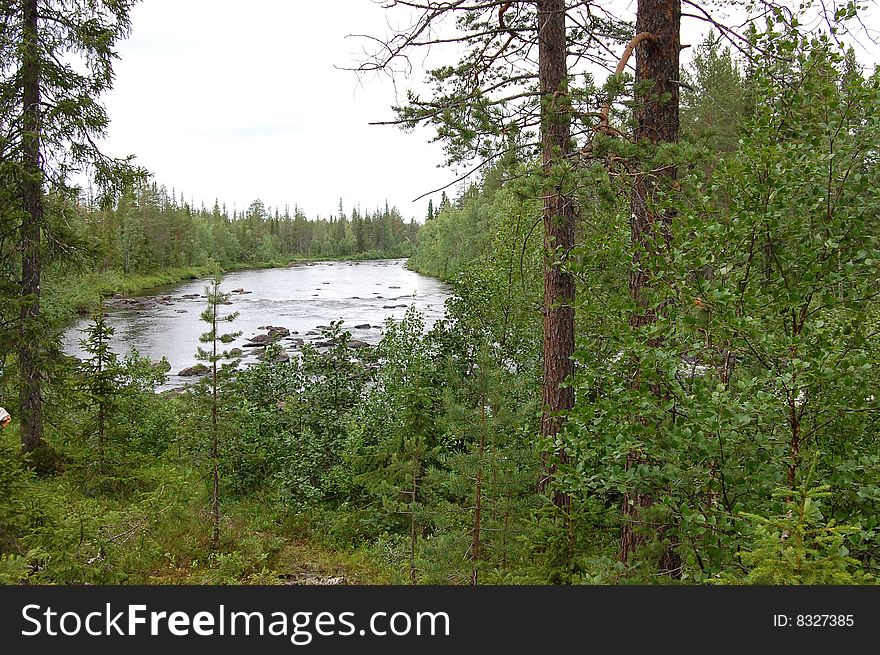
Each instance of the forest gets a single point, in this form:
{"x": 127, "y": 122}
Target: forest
{"x": 658, "y": 363}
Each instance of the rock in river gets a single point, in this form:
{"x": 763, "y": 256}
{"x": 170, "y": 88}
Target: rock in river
{"x": 259, "y": 340}
{"x": 280, "y": 356}
{"x": 266, "y": 339}
{"x": 198, "y": 369}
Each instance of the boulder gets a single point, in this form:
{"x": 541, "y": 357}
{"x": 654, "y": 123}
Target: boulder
{"x": 198, "y": 369}
{"x": 357, "y": 344}
{"x": 362, "y": 326}
{"x": 261, "y": 340}
{"x": 280, "y": 356}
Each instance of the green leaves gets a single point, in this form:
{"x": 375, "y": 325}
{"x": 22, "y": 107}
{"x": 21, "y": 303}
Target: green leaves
{"x": 764, "y": 353}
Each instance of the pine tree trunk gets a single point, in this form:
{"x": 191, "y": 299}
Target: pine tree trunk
{"x": 30, "y": 396}
{"x": 558, "y": 231}
{"x": 657, "y": 121}
{"x": 215, "y": 451}
{"x": 102, "y": 410}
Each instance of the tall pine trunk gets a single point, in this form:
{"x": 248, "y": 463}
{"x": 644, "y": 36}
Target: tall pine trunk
{"x": 657, "y": 121}
{"x": 30, "y": 397}
{"x": 557, "y": 399}
{"x": 215, "y": 425}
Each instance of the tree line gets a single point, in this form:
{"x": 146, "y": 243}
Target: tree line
{"x": 148, "y": 230}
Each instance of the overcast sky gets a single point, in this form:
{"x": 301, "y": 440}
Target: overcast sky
{"x": 242, "y": 100}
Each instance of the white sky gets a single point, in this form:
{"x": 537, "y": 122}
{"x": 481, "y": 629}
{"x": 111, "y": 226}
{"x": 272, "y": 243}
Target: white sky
{"x": 242, "y": 100}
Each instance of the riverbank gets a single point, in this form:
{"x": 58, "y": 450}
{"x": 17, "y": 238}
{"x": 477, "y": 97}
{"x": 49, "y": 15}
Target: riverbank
{"x": 68, "y": 294}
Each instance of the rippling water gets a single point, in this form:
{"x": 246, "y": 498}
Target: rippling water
{"x": 299, "y": 298}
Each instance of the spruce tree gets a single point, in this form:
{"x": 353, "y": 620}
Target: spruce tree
{"x": 101, "y": 381}
{"x": 57, "y": 61}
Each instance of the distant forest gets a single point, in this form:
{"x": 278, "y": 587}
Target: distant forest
{"x": 148, "y": 229}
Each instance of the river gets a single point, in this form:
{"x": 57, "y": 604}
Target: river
{"x": 164, "y": 322}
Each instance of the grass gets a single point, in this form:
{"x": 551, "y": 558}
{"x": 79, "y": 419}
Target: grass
{"x": 156, "y": 529}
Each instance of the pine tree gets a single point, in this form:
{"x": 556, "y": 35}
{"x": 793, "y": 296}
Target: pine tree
{"x": 657, "y": 121}
{"x": 221, "y": 366}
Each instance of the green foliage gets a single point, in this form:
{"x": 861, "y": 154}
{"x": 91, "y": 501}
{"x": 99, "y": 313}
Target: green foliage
{"x": 717, "y": 101}
{"x": 74, "y": 51}
{"x": 13, "y": 569}
{"x": 149, "y": 231}
{"x": 764, "y": 350}
{"x": 117, "y": 396}
{"x": 292, "y": 421}
{"x": 800, "y": 546}
{"x": 14, "y": 482}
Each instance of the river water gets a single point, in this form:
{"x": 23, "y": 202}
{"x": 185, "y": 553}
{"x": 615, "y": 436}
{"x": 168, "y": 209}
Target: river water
{"x": 162, "y": 323}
